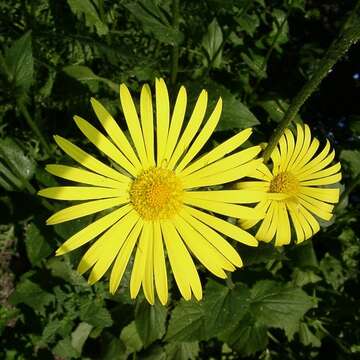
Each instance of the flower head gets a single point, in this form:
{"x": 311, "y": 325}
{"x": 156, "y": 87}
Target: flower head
{"x": 296, "y": 186}
{"x": 151, "y": 197}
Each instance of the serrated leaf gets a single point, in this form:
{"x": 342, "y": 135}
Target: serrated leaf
{"x": 65, "y": 350}
{"x": 150, "y": 322}
{"x": 55, "y": 327}
{"x": 36, "y": 245}
{"x": 248, "y": 23}
{"x": 187, "y": 322}
{"x": 212, "y": 42}
{"x": 31, "y": 294}
{"x": 249, "y": 337}
{"x": 84, "y": 8}
{"x": 333, "y": 271}
{"x": 20, "y": 62}
{"x": 182, "y": 351}
{"x": 95, "y": 313}
{"x": 79, "y": 336}
{"x": 307, "y": 337}
{"x": 352, "y": 158}
{"x": 131, "y": 338}
{"x": 154, "y": 22}
{"x": 279, "y": 305}
{"x": 224, "y": 307}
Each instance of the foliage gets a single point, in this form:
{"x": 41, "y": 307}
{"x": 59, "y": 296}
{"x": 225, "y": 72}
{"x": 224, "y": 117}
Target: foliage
{"x": 298, "y": 302}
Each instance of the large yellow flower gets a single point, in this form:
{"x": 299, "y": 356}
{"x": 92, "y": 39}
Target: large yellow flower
{"x": 150, "y": 191}
{"x": 296, "y": 186}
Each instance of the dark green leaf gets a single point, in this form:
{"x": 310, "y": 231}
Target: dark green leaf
{"x": 352, "y": 158}
{"x": 333, "y": 271}
{"x": 212, "y": 41}
{"x": 36, "y": 245}
{"x": 182, "y": 351}
{"x": 31, "y": 294}
{"x": 131, "y": 338}
{"x": 307, "y": 337}
{"x": 95, "y": 313}
{"x": 224, "y": 307}
{"x": 65, "y": 350}
{"x": 79, "y": 336}
{"x": 276, "y": 109}
{"x": 150, "y": 322}
{"x": 187, "y": 322}
{"x": 20, "y": 62}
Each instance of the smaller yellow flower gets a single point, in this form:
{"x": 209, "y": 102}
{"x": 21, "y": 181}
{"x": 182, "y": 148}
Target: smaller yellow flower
{"x": 296, "y": 186}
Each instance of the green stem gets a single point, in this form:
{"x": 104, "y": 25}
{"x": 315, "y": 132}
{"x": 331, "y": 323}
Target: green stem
{"x": 32, "y": 124}
{"x": 349, "y": 35}
{"x": 230, "y": 284}
{"x": 175, "y": 49}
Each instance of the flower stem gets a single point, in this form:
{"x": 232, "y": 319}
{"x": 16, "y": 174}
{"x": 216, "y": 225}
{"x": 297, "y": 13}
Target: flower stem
{"x": 349, "y": 35}
{"x": 175, "y": 49}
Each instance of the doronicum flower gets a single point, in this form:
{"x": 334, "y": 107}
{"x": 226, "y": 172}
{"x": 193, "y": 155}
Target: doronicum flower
{"x": 297, "y": 186}
{"x": 152, "y": 194}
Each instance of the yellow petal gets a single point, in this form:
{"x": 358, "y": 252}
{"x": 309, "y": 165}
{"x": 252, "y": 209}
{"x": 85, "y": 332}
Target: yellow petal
{"x": 80, "y": 192}
{"x": 283, "y": 233}
{"x": 116, "y": 134}
{"x": 223, "y": 227}
{"x": 148, "y": 275}
{"x": 318, "y": 208}
{"x": 177, "y": 120}
{"x": 203, "y": 137}
{"x": 104, "y": 144}
{"x": 304, "y": 149}
{"x": 191, "y": 129}
{"x": 300, "y": 235}
{"x": 91, "y": 231}
{"x": 328, "y": 195}
{"x": 310, "y": 152}
{"x": 216, "y": 240}
{"x": 269, "y": 225}
{"x": 147, "y": 122}
{"x": 262, "y": 207}
{"x": 290, "y": 142}
{"x": 298, "y": 145}
{"x": 236, "y": 211}
{"x": 310, "y": 175}
{"x": 87, "y": 208}
{"x": 332, "y": 179}
{"x": 229, "y": 196}
{"x": 186, "y": 276}
{"x": 297, "y": 213}
{"x": 133, "y": 123}
{"x": 315, "y": 227}
{"x": 162, "y": 118}
{"x": 123, "y": 257}
{"x": 84, "y": 176}
{"x": 89, "y": 161}
{"x": 112, "y": 241}
{"x": 282, "y": 146}
{"x": 253, "y": 185}
{"x": 160, "y": 275}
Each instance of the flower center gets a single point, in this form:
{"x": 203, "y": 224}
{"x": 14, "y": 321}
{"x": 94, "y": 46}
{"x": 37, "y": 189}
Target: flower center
{"x": 284, "y": 183}
{"x": 156, "y": 194}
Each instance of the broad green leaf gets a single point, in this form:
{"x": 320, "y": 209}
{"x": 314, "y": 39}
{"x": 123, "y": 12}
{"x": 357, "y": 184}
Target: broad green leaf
{"x": 187, "y": 322}
{"x": 280, "y": 29}
{"x": 85, "y": 8}
{"x": 31, "y": 294}
{"x": 37, "y": 247}
{"x": 304, "y": 277}
{"x": 249, "y": 337}
{"x": 352, "y": 158}
{"x": 255, "y": 63}
{"x": 279, "y": 305}
{"x": 212, "y": 42}
{"x": 150, "y": 322}
{"x": 307, "y": 337}
{"x": 154, "y": 22}
{"x": 80, "y": 335}
{"x": 65, "y": 350}
{"x": 20, "y": 62}
{"x": 333, "y": 271}
{"x": 224, "y": 307}
{"x": 182, "y": 350}
{"x": 13, "y": 156}
{"x": 131, "y": 338}
{"x": 114, "y": 348}
{"x": 56, "y": 327}
{"x": 86, "y": 75}
{"x": 95, "y": 313}
{"x": 248, "y": 23}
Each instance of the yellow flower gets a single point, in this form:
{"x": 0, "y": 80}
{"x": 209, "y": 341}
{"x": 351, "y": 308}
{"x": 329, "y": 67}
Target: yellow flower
{"x": 296, "y": 186}
{"x": 150, "y": 191}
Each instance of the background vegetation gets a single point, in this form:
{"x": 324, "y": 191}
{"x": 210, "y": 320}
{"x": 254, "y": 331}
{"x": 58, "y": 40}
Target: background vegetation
{"x": 297, "y": 302}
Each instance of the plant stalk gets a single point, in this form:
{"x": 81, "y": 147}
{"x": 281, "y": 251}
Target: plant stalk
{"x": 349, "y": 35}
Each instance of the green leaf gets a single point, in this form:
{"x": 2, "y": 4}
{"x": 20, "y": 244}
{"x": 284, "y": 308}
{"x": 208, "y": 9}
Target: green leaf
{"x": 279, "y": 305}
{"x": 131, "y": 338}
{"x": 248, "y": 23}
{"x": 182, "y": 351}
{"x": 307, "y": 337}
{"x": 154, "y": 21}
{"x": 276, "y": 109}
{"x": 14, "y": 158}
{"x": 20, "y": 62}
{"x": 224, "y": 307}
{"x": 280, "y": 29}
{"x": 86, "y": 75}
{"x": 95, "y": 313}
{"x": 352, "y": 158}
{"x": 84, "y": 8}
{"x": 80, "y": 335}
{"x": 55, "y": 327}
{"x": 36, "y": 245}
{"x": 114, "y": 348}
{"x": 255, "y": 63}
{"x": 248, "y": 337}
{"x": 212, "y": 42}
{"x": 333, "y": 271}
{"x": 65, "y": 350}
{"x": 31, "y": 294}
{"x": 150, "y": 322}
{"x": 187, "y": 322}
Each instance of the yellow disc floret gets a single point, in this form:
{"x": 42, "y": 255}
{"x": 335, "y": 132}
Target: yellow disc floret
{"x": 285, "y": 183}
{"x": 156, "y": 194}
